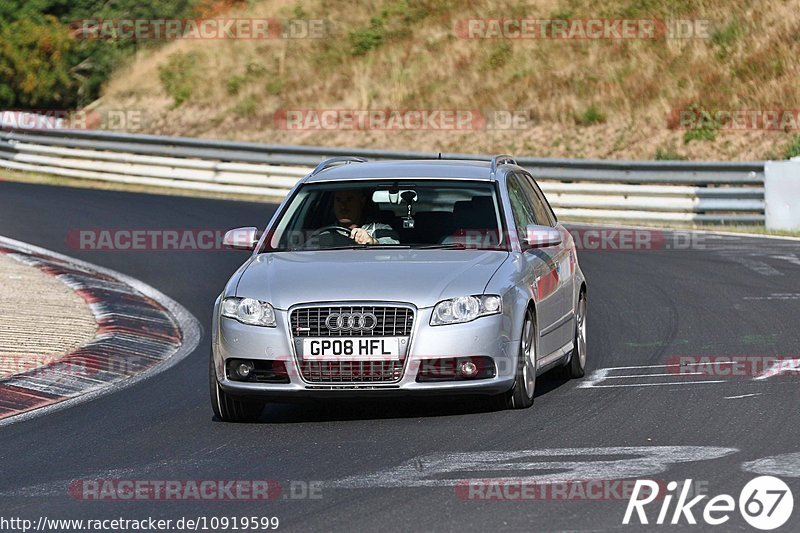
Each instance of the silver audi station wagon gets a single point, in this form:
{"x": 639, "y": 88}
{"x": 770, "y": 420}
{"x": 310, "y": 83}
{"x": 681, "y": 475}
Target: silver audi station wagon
{"x": 406, "y": 278}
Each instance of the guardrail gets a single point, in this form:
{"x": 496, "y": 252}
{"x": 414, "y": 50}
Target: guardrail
{"x": 661, "y": 191}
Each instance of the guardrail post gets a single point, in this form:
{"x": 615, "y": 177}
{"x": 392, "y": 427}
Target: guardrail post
{"x": 782, "y": 194}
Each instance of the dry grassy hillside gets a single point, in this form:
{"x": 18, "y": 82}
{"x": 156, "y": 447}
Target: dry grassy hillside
{"x": 581, "y": 98}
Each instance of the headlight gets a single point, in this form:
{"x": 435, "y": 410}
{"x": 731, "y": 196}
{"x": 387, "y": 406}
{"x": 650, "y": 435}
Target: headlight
{"x": 465, "y": 309}
{"x": 249, "y": 311}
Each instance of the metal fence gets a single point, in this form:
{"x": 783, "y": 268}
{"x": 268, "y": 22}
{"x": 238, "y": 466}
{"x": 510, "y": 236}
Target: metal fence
{"x": 654, "y": 191}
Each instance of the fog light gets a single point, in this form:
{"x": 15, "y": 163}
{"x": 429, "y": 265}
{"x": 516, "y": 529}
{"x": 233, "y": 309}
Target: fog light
{"x": 468, "y": 369}
{"x": 244, "y": 369}
{"x": 256, "y": 371}
{"x": 456, "y": 369}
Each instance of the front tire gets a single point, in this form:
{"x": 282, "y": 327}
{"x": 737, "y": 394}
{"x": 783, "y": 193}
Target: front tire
{"x": 576, "y": 368}
{"x": 231, "y": 408}
{"x": 521, "y": 394}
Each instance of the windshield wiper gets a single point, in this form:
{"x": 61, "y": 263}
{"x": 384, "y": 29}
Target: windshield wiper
{"x": 352, "y": 247}
{"x": 448, "y": 246}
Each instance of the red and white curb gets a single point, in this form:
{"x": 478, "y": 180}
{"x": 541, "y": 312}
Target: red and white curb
{"x": 141, "y": 332}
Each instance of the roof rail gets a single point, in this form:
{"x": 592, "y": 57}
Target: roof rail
{"x": 502, "y": 159}
{"x": 335, "y": 161}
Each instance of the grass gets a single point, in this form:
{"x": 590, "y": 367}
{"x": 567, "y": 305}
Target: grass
{"x": 758, "y": 230}
{"x": 408, "y": 54}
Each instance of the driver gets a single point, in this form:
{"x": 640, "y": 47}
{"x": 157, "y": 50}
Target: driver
{"x": 349, "y": 208}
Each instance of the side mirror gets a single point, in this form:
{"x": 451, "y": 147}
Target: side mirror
{"x": 542, "y": 236}
{"x": 241, "y": 238}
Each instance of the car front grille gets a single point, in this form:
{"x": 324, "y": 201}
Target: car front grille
{"x": 352, "y": 371}
{"x": 391, "y": 321}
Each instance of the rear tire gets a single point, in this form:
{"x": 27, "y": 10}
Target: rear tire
{"x": 521, "y": 394}
{"x": 576, "y": 368}
{"x": 231, "y": 408}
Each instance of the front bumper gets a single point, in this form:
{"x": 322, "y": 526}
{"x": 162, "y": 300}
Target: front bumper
{"x": 485, "y": 336}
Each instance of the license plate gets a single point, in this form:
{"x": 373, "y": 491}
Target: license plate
{"x": 352, "y": 349}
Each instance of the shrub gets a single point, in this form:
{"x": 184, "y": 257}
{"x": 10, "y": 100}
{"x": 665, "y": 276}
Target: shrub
{"x": 700, "y": 134}
{"x": 363, "y": 40}
{"x": 395, "y": 21}
{"x": 178, "y": 76}
{"x": 668, "y": 154}
{"x": 45, "y": 64}
{"x": 275, "y": 86}
{"x": 590, "y": 116}
{"x": 246, "y": 107}
{"x": 704, "y": 129}
{"x": 725, "y": 39}
{"x": 793, "y": 148}
{"x": 499, "y": 56}
{"x": 234, "y": 84}
{"x": 35, "y": 61}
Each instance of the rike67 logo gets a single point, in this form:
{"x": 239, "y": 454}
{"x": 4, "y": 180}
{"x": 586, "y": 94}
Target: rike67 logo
{"x": 765, "y": 503}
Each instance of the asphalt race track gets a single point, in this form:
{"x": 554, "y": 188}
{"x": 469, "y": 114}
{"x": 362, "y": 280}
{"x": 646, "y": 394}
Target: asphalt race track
{"x": 395, "y": 465}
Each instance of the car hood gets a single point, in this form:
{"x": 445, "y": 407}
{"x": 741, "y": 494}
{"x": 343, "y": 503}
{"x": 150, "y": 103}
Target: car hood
{"x": 421, "y": 277}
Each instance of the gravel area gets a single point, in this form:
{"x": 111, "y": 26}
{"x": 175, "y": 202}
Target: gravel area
{"x": 41, "y": 319}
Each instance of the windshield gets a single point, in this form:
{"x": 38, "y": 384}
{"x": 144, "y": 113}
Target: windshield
{"x": 417, "y": 214}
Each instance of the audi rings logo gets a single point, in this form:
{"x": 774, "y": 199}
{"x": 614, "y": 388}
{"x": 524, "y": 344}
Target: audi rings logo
{"x": 351, "y": 321}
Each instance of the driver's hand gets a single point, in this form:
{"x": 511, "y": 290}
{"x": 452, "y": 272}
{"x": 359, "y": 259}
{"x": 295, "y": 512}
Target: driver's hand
{"x": 361, "y": 236}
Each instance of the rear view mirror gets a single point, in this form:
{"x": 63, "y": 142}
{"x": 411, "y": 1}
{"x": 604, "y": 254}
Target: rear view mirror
{"x": 542, "y": 236}
{"x": 394, "y": 197}
{"x": 241, "y": 238}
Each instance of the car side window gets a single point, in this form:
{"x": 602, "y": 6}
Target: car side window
{"x": 543, "y": 199}
{"x": 520, "y": 207}
{"x": 541, "y": 211}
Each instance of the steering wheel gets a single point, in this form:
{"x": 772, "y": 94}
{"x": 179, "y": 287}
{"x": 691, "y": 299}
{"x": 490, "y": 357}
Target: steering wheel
{"x": 339, "y": 233}
{"x": 333, "y": 228}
